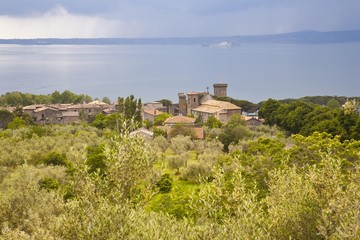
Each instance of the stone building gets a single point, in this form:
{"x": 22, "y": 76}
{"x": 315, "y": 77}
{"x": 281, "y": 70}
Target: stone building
{"x": 219, "y": 109}
{"x": 46, "y": 115}
{"x": 192, "y": 100}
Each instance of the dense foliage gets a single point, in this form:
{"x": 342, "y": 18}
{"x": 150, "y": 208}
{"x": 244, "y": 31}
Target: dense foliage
{"x": 320, "y": 100}
{"x": 127, "y": 117}
{"x": 306, "y": 118}
{"x": 24, "y": 99}
{"x": 81, "y": 182}
{"x": 244, "y": 104}
{"x": 96, "y": 181}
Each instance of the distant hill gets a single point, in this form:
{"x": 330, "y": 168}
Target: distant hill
{"x": 304, "y": 37}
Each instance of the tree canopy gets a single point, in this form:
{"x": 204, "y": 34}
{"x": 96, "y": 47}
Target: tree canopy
{"x": 307, "y": 118}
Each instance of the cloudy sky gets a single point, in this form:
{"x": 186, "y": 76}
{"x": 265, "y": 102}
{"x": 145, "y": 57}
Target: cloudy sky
{"x": 168, "y": 18}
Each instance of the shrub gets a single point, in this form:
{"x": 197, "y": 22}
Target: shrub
{"x": 95, "y": 157}
{"x": 196, "y": 172}
{"x": 158, "y": 132}
{"x": 49, "y": 183}
{"x": 165, "y": 183}
{"x": 56, "y": 159}
{"x": 183, "y": 130}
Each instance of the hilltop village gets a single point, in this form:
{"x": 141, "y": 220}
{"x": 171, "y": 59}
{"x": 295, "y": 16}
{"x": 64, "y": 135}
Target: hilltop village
{"x": 191, "y": 106}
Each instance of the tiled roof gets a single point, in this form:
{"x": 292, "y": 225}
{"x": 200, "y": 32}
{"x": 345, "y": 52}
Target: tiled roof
{"x": 151, "y": 111}
{"x": 207, "y": 109}
{"x": 142, "y": 130}
{"x": 61, "y": 107}
{"x": 214, "y": 106}
{"x": 84, "y": 106}
{"x": 249, "y": 118}
{"x": 221, "y": 104}
{"x": 199, "y": 132}
{"x": 97, "y": 102}
{"x": 33, "y": 107}
{"x": 179, "y": 119}
{"x": 45, "y": 108}
{"x": 194, "y": 93}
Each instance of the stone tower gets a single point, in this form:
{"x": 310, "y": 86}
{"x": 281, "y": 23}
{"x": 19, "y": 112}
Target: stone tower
{"x": 220, "y": 89}
{"x": 182, "y": 104}
{"x": 193, "y": 101}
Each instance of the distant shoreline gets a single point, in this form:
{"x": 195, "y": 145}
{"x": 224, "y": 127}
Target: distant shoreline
{"x": 304, "y": 37}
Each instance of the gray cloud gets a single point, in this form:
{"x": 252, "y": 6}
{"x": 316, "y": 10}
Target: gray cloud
{"x": 59, "y": 23}
{"x": 151, "y": 18}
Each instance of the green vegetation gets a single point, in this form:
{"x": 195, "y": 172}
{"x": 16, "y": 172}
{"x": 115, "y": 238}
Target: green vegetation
{"x": 94, "y": 181}
{"x": 24, "y": 99}
{"x": 160, "y": 119}
{"x": 306, "y": 118}
{"x": 128, "y": 116}
{"x": 244, "y": 104}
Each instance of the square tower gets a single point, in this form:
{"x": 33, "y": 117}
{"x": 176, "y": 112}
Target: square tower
{"x": 182, "y": 104}
{"x": 220, "y": 89}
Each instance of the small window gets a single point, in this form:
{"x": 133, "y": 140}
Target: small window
{"x": 194, "y": 99}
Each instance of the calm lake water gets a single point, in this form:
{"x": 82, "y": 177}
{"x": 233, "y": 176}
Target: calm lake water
{"x": 253, "y": 72}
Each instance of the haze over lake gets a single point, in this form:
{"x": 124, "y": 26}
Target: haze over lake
{"x": 254, "y": 72}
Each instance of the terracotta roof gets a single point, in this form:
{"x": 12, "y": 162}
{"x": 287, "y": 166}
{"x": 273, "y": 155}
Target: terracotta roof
{"x": 199, "y": 132}
{"x": 179, "y": 119}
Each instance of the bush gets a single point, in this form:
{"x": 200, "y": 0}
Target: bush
{"x": 165, "y": 183}
{"x": 95, "y": 159}
{"x": 158, "y": 132}
{"x": 196, "y": 172}
{"x": 49, "y": 183}
{"x": 182, "y": 130}
{"x": 56, "y": 159}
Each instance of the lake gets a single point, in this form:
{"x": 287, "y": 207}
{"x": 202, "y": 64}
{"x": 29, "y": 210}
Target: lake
{"x": 254, "y": 72}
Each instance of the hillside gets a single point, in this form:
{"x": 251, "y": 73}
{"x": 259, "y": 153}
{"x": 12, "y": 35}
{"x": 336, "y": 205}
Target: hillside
{"x": 303, "y": 37}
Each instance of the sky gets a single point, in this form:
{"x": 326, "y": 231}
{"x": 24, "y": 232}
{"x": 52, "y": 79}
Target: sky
{"x": 172, "y": 18}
